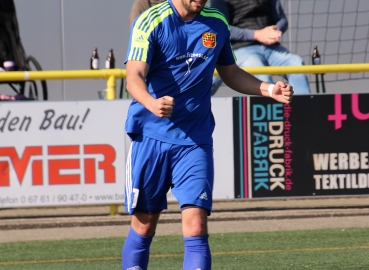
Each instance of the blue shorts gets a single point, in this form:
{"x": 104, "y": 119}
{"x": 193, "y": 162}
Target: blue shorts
{"x": 153, "y": 167}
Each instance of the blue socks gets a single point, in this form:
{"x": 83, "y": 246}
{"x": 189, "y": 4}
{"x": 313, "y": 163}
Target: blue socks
{"x": 136, "y": 251}
{"x": 196, "y": 253}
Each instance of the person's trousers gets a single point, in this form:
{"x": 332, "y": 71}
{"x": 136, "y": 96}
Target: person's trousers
{"x": 275, "y": 55}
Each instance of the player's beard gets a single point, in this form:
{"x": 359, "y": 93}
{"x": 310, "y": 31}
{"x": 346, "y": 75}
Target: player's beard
{"x": 190, "y": 9}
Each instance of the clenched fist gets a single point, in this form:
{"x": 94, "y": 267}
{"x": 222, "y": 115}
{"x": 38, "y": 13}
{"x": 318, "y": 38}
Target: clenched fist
{"x": 282, "y": 92}
{"x": 162, "y": 107}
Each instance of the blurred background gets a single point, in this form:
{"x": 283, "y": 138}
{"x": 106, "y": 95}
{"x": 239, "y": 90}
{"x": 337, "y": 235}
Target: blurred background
{"x": 61, "y": 35}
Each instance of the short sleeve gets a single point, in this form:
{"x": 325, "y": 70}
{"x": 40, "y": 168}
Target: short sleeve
{"x": 140, "y": 47}
{"x": 226, "y": 55}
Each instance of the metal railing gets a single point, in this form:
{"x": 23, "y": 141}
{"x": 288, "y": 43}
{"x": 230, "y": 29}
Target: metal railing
{"x": 112, "y": 74}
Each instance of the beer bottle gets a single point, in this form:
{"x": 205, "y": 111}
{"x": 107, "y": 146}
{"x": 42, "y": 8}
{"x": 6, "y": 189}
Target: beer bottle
{"x": 110, "y": 60}
{"x": 317, "y": 61}
{"x": 94, "y": 61}
{"x": 316, "y": 56}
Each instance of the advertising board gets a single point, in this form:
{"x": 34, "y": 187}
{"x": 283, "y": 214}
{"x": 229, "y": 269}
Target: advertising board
{"x": 317, "y": 145}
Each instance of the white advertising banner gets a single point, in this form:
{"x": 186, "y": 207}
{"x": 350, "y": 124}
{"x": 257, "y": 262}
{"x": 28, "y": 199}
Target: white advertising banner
{"x": 73, "y": 153}
{"x": 61, "y": 153}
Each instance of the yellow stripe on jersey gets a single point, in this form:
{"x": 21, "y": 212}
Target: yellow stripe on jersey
{"x": 145, "y": 24}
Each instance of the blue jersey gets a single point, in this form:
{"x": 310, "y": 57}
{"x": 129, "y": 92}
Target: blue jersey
{"x": 182, "y": 56}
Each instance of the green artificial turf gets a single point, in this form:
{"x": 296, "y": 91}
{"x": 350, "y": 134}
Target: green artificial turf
{"x": 313, "y": 249}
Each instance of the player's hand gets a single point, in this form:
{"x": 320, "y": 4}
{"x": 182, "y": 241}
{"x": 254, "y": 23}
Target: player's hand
{"x": 163, "y": 107}
{"x": 282, "y": 92}
{"x": 268, "y": 35}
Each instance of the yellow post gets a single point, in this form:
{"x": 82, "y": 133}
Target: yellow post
{"x": 110, "y": 94}
{"x": 114, "y": 209}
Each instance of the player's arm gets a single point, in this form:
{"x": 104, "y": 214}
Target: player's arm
{"x": 245, "y": 83}
{"x": 136, "y": 72}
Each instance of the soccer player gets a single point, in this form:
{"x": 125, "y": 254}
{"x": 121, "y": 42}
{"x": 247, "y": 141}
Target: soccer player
{"x": 173, "y": 50}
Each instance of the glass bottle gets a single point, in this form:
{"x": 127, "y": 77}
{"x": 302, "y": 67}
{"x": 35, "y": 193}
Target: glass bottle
{"x": 316, "y": 56}
{"x": 110, "y": 60}
{"x": 94, "y": 61}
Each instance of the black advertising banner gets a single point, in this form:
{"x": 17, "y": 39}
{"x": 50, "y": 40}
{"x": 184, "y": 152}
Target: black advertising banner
{"x": 317, "y": 145}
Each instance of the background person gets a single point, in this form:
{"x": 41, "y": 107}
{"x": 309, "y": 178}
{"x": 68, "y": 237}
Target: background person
{"x": 173, "y": 51}
{"x": 256, "y": 29}
{"x": 140, "y": 6}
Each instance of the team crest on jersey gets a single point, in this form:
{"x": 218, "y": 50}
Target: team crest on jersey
{"x": 209, "y": 40}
